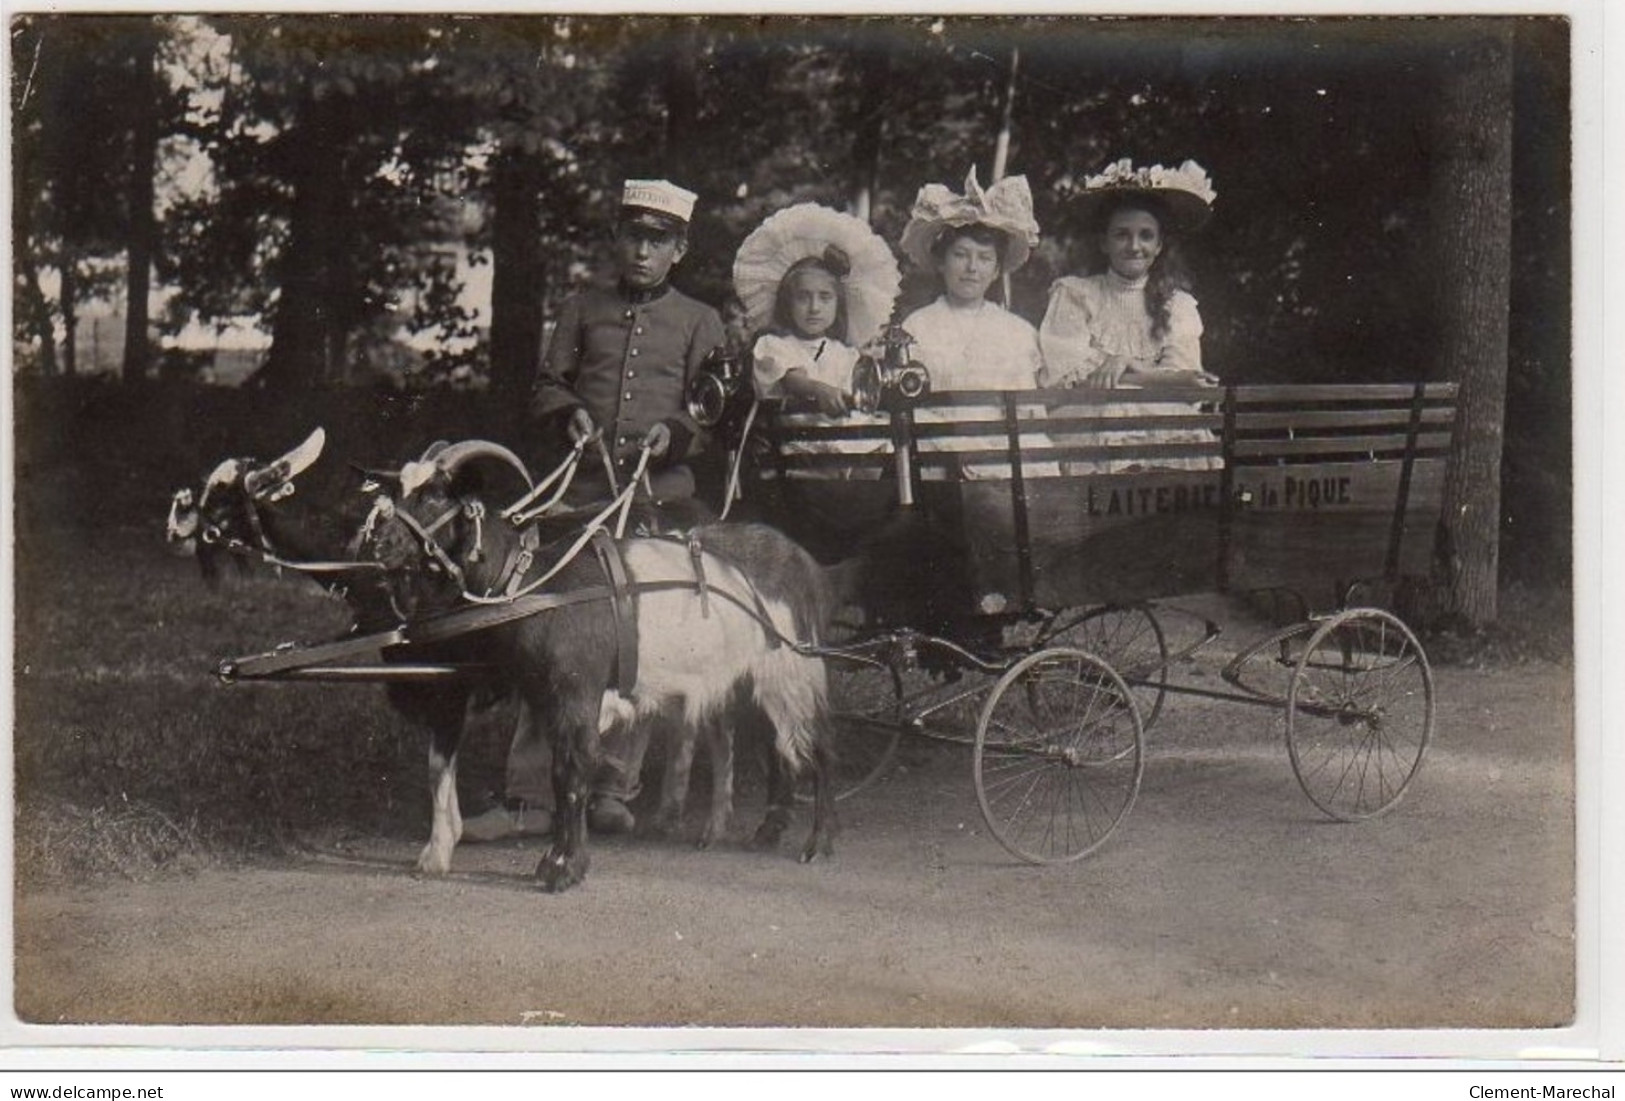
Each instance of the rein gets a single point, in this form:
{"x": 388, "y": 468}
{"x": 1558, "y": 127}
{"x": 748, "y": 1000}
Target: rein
{"x": 518, "y": 598}
{"x": 514, "y": 584}
{"x": 264, "y": 552}
{"x": 732, "y": 493}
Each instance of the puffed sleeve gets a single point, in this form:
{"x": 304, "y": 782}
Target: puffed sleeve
{"x": 768, "y": 365}
{"x": 555, "y": 382}
{"x": 1182, "y": 348}
{"x": 1066, "y": 338}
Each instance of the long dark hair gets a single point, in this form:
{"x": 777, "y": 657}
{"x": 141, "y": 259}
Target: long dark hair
{"x": 1168, "y": 272}
{"x": 834, "y": 263}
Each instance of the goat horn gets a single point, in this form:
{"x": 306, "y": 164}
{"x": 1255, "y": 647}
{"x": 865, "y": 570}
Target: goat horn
{"x": 454, "y": 456}
{"x": 275, "y": 473}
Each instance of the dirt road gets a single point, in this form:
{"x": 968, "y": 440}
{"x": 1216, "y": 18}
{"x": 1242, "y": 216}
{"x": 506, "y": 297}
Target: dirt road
{"x": 1224, "y": 900}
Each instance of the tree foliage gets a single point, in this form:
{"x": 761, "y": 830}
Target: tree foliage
{"x": 361, "y": 169}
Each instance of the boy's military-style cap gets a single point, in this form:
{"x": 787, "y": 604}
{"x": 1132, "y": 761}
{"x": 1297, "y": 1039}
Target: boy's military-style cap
{"x": 659, "y": 204}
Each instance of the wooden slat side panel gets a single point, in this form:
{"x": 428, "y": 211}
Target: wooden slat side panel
{"x": 1316, "y": 528}
{"x": 1156, "y": 534}
{"x": 1337, "y": 487}
{"x": 830, "y": 461}
{"x": 1297, "y": 393}
{"x": 1342, "y": 445}
{"x": 1322, "y": 419}
{"x": 1114, "y": 537}
{"x": 1140, "y": 452}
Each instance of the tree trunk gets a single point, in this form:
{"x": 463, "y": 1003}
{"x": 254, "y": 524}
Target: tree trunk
{"x": 518, "y": 280}
{"x": 70, "y": 312}
{"x": 1007, "y": 115}
{"x": 870, "y": 129}
{"x": 31, "y": 298}
{"x": 682, "y": 104}
{"x": 308, "y": 335}
{"x": 143, "y": 223}
{"x": 1472, "y": 200}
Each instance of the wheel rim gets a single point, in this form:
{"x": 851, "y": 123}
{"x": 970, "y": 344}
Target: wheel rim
{"x": 1132, "y": 641}
{"x": 1359, "y": 714}
{"x": 1059, "y": 756}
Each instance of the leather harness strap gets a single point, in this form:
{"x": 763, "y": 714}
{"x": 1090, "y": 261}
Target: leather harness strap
{"x": 696, "y": 555}
{"x": 451, "y": 624}
{"x": 697, "y": 552}
{"x": 624, "y": 610}
{"x": 517, "y": 564}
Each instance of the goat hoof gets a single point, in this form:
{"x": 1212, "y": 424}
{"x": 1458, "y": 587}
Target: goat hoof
{"x": 767, "y": 836}
{"x": 712, "y": 833}
{"x": 432, "y": 863}
{"x": 816, "y": 847}
{"x": 557, "y": 871}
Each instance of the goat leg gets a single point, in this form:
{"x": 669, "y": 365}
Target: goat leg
{"x": 781, "y": 796}
{"x": 565, "y": 862}
{"x": 720, "y": 736}
{"x": 680, "y": 742}
{"x": 821, "y": 841}
{"x": 445, "y": 712}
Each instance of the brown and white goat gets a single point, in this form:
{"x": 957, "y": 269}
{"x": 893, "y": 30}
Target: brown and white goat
{"x": 249, "y": 509}
{"x": 697, "y": 649}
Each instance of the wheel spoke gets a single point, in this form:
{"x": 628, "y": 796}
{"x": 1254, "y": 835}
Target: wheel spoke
{"x": 1058, "y": 761}
{"x": 1359, "y": 713}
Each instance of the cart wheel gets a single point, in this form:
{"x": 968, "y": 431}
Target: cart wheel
{"x": 1359, "y": 713}
{"x": 1131, "y": 639}
{"x": 1059, "y": 756}
{"x": 866, "y": 714}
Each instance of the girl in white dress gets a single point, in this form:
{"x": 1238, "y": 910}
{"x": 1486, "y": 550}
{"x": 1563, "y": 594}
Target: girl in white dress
{"x": 1134, "y": 322}
{"x": 965, "y": 340}
{"x": 817, "y": 284}
{"x": 803, "y": 357}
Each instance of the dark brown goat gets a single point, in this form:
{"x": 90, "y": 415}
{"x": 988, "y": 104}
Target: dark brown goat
{"x": 250, "y": 510}
{"x": 696, "y": 648}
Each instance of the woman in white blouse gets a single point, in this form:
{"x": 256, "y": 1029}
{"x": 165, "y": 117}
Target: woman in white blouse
{"x": 965, "y": 340}
{"x": 1135, "y": 321}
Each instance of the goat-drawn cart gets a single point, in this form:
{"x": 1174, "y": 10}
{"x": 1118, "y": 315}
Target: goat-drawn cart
{"x": 1024, "y": 539}
{"x": 1016, "y": 547}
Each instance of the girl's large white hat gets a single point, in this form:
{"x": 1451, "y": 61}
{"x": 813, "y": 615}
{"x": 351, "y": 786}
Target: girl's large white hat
{"x": 1185, "y": 193}
{"x": 1006, "y": 206}
{"x": 808, "y": 229}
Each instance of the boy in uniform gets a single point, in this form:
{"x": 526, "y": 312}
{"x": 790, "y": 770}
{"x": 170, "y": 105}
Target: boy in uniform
{"x": 620, "y": 362}
{"x": 622, "y": 357}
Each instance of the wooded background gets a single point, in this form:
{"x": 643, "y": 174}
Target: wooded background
{"x": 1393, "y": 193}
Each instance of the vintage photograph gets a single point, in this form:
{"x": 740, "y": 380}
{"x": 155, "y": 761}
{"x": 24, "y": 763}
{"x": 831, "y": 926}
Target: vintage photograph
{"x": 1001, "y": 525}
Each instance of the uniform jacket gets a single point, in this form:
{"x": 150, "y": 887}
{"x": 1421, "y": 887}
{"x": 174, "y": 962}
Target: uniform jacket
{"x": 628, "y": 358}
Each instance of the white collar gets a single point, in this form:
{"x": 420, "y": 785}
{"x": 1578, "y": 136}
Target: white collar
{"x": 1119, "y": 283}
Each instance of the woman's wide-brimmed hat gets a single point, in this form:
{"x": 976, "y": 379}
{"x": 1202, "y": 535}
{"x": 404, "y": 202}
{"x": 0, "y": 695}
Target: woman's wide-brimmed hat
{"x": 1006, "y": 206}
{"x": 1185, "y": 193}
{"x": 808, "y": 229}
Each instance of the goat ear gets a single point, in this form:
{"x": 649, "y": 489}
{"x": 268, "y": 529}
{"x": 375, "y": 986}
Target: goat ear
{"x": 414, "y": 476}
